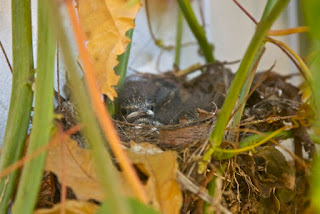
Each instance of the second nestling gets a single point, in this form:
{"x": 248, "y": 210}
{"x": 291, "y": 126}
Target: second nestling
{"x": 167, "y": 100}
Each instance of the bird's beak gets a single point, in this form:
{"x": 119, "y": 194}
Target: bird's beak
{"x": 139, "y": 114}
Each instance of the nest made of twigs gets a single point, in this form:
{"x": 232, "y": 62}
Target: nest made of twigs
{"x": 178, "y": 136}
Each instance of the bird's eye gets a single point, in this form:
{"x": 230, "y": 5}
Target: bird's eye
{"x": 124, "y": 111}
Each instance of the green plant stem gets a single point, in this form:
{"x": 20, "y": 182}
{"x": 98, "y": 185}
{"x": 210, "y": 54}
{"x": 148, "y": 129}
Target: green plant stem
{"x": 178, "y": 37}
{"x": 21, "y": 97}
{"x": 252, "y": 140}
{"x": 312, "y": 16}
{"x": 211, "y": 187}
{"x": 109, "y": 180}
{"x": 43, "y": 112}
{"x": 121, "y": 68}
{"x": 196, "y": 29}
{"x": 246, "y": 87}
{"x": 268, "y": 8}
{"x": 240, "y": 77}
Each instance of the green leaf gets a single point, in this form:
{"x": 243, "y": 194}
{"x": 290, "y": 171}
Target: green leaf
{"x": 43, "y": 112}
{"x": 21, "y": 98}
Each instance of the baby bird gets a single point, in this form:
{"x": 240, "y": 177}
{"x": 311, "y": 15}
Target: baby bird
{"x": 153, "y": 102}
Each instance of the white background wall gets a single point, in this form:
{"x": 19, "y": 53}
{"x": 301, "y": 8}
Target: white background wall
{"x": 227, "y": 27}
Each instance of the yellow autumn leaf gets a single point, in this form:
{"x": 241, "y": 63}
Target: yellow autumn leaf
{"x": 105, "y": 23}
{"x": 71, "y": 207}
{"x": 79, "y": 168}
{"x": 160, "y": 168}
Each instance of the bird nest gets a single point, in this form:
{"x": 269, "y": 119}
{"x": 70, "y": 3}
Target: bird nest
{"x": 178, "y": 136}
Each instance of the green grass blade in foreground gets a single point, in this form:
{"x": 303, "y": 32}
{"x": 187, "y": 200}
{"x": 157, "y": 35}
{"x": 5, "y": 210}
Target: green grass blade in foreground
{"x": 315, "y": 190}
{"x": 21, "y": 97}
{"x": 240, "y": 77}
{"x": 109, "y": 181}
{"x": 315, "y": 185}
{"x": 43, "y": 113}
{"x": 312, "y": 16}
{"x": 196, "y": 29}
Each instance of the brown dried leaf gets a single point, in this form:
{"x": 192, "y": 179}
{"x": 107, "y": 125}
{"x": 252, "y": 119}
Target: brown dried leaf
{"x": 79, "y": 169}
{"x": 269, "y": 205}
{"x": 47, "y": 191}
{"x": 105, "y": 24}
{"x": 161, "y": 168}
{"x": 71, "y": 207}
{"x": 272, "y": 171}
{"x": 277, "y": 166}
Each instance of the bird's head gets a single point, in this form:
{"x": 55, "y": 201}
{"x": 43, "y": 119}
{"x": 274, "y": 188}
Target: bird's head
{"x": 134, "y": 103}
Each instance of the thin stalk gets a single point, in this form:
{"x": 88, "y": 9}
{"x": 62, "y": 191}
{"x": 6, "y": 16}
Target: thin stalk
{"x": 196, "y": 29}
{"x": 121, "y": 70}
{"x": 268, "y": 8}
{"x": 253, "y": 139}
{"x": 21, "y": 97}
{"x": 178, "y": 38}
{"x": 43, "y": 112}
{"x": 6, "y": 56}
{"x": 305, "y": 72}
{"x": 251, "y": 142}
{"x": 246, "y": 87}
{"x": 221, "y": 154}
{"x": 211, "y": 187}
{"x": 240, "y": 77}
{"x": 288, "y": 31}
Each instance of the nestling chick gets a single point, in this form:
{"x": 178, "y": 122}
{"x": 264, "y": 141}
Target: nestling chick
{"x": 153, "y": 102}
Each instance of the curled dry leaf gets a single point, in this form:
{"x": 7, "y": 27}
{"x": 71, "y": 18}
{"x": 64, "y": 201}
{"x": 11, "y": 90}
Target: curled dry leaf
{"x": 105, "y": 24}
{"x": 159, "y": 167}
{"x": 161, "y": 170}
{"x": 268, "y": 169}
{"x": 273, "y": 168}
{"x": 71, "y": 207}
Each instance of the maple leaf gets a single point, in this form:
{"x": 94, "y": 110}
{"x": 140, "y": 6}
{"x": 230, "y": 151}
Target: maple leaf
{"x": 105, "y": 24}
